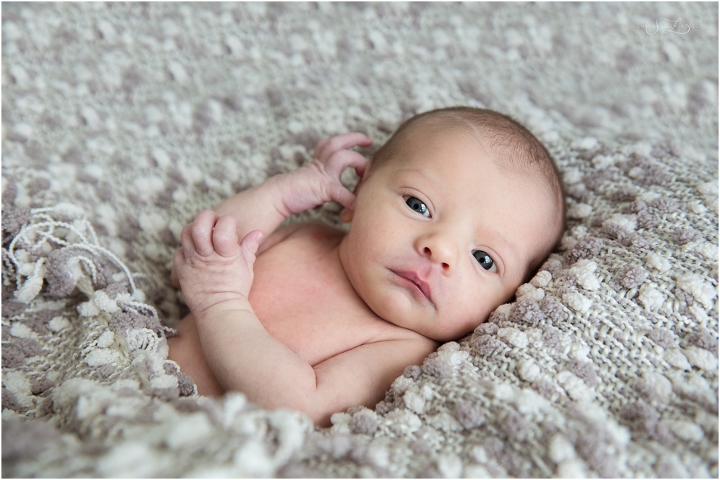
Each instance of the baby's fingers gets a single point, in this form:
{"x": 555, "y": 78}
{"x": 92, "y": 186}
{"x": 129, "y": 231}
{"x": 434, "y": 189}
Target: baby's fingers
{"x": 249, "y": 246}
{"x": 320, "y": 147}
{"x": 342, "y": 159}
{"x": 201, "y": 232}
{"x": 338, "y": 193}
{"x": 326, "y": 148}
{"x": 224, "y": 236}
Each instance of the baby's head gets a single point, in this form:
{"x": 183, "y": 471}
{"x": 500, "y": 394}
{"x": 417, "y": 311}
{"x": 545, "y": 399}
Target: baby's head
{"x": 456, "y": 210}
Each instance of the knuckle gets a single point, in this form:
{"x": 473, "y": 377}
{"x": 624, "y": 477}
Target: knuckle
{"x": 318, "y": 166}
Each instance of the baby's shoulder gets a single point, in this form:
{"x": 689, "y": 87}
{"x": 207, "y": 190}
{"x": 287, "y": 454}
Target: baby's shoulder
{"x": 313, "y": 231}
{"x": 315, "y": 228}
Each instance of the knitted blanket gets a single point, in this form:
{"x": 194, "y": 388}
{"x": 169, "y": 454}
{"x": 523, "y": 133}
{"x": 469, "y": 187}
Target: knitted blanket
{"x": 121, "y": 121}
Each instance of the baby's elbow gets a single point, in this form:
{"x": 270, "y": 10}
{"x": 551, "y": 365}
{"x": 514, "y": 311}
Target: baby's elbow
{"x": 311, "y": 404}
{"x": 321, "y": 418}
{"x": 308, "y": 397}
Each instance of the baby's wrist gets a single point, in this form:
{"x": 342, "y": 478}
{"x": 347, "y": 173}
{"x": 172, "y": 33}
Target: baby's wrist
{"x": 294, "y": 192}
{"x": 222, "y": 308}
{"x": 282, "y": 190}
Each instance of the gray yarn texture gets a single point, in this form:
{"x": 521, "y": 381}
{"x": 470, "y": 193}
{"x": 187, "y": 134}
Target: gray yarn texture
{"x": 120, "y": 121}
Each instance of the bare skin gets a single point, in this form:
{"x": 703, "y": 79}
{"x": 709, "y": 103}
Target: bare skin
{"x": 283, "y": 283}
{"x": 310, "y": 318}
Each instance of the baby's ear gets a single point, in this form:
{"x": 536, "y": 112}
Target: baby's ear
{"x": 346, "y": 215}
{"x": 365, "y": 174}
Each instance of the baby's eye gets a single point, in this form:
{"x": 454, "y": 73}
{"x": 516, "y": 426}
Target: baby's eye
{"x": 484, "y": 260}
{"x": 417, "y": 205}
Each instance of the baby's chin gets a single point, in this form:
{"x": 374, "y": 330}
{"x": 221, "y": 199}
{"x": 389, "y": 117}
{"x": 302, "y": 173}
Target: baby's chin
{"x": 403, "y": 312}
{"x": 398, "y": 308}
{"x": 452, "y": 329}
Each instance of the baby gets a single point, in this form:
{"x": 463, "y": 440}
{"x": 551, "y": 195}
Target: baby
{"x": 449, "y": 217}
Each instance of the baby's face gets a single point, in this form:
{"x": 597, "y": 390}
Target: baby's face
{"x": 441, "y": 236}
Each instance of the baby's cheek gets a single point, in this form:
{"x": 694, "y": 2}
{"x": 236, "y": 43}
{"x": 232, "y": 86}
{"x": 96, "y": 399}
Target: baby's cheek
{"x": 479, "y": 311}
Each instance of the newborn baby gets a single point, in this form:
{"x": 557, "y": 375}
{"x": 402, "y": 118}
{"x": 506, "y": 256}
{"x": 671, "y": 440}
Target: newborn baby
{"x": 449, "y": 217}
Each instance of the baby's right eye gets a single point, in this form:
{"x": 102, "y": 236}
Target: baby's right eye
{"x": 417, "y": 205}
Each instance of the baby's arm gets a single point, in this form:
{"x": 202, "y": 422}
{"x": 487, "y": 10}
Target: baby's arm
{"x": 216, "y": 275}
{"x": 267, "y": 205}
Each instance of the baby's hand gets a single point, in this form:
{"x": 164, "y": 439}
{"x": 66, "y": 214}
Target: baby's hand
{"x": 318, "y": 181}
{"x": 211, "y": 267}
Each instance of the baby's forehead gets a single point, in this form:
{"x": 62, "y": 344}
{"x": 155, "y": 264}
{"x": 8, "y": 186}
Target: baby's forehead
{"x": 515, "y": 157}
{"x": 511, "y": 147}
{"x": 483, "y": 142}
{"x": 429, "y": 134}
{"x": 509, "y": 144}
{"x": 457, "y": 153}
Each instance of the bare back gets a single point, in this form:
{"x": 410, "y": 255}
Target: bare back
{"x": 303, "y": 298}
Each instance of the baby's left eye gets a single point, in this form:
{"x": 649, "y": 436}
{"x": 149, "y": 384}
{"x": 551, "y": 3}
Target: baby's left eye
{"x": 484, "y": 260}
{"x": 417, "y": 205}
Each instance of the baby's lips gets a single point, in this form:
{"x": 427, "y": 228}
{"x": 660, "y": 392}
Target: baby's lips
{"x": 423, "y": 285}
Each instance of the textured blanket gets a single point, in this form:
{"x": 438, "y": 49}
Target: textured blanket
{"x": 121, "y": 121}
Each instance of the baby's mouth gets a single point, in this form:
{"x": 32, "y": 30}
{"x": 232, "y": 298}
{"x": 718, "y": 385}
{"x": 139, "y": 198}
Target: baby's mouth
{"x": 414, "y": 281}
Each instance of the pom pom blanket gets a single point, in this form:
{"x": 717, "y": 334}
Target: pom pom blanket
{"x": 122, "y": 120}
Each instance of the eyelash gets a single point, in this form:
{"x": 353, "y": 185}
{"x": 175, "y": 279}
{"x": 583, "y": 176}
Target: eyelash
{"x": 421, "y": 208}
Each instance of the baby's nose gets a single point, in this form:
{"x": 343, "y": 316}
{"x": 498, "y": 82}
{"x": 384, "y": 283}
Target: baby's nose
{"x": 439, "y": 250}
